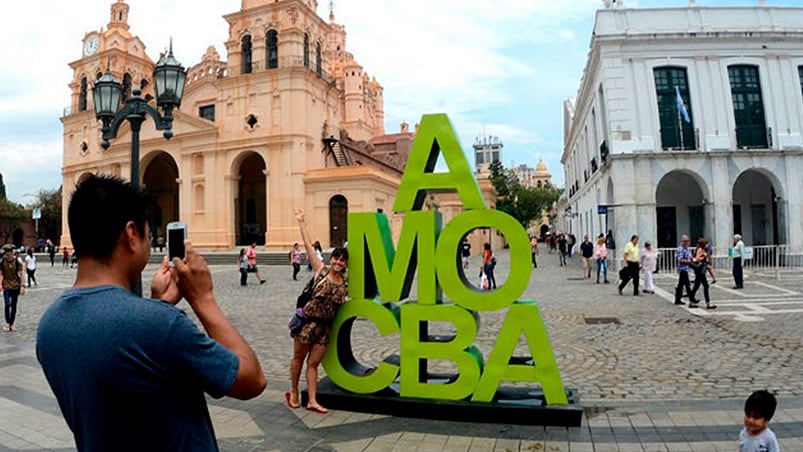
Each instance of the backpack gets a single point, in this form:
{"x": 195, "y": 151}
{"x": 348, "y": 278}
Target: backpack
{"x": 306, "y": 294}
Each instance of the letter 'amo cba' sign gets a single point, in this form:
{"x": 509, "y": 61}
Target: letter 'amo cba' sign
{"x": 381, "y": 275}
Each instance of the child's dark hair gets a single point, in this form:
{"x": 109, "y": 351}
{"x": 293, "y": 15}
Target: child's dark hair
{"x": 761, "y": 403}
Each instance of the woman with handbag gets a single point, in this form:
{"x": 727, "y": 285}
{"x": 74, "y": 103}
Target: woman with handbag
{"x": 699, "y": 264}
{"x": 311, "y": 337}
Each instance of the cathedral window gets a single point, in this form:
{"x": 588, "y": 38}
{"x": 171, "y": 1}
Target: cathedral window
{"x": 246, "y": 49}
{"x": 748, "y": 107}
{"x": 318, "y": 69}
{"x": 82, "y": 95}
{"x": 677, "y": 127}
{"x": 306, "y": 49}
{"x": 273, "y": 49}
{"x": 207, "y": 112}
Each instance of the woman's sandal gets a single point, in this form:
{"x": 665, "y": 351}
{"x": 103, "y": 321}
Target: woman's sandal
{"x": 288, "y": 397}
{"x": 317, "y": 409}
{"x": 694, "y": 305}
{"x": 710, "y": 306}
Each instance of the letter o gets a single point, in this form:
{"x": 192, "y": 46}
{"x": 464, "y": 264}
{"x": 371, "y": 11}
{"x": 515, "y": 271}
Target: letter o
{"x": 453, "y": 280}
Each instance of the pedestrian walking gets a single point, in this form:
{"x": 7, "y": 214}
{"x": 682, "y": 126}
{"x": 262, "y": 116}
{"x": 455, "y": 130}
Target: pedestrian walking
{"x": 242, "y": 263}
{"x": 737, "y": 253}
{"x": 251, "y": 255}
{"x": 295, "y": 260}
{"x": 318, "y": 252}
{"x": 601, "y": 253}
{"x": 12, "y": 285}
{"x": 683, "y": 258}
{"x": 649, "y": 263}
{"x": 534, "y": 250}
{"x": 630, "y": 259}
{"x": 586, "y": 256}
{"x": 51, "y": 252}
{"x": 30, "y": 268}
{"x": 700, "y": 265}
{"x": 756, "y": 435}
{"x": 562, "y": 244}
{"x": 710, "y": 267}
{"x": 465, "y": 250}
{"x": 65, "y": 256}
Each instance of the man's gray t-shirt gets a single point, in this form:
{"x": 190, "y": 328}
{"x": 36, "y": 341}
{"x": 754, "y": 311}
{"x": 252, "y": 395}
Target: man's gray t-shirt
{"x": 130, "y": 373}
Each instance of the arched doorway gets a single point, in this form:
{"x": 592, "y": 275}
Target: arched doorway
{"x": 757, "y": 210}
{"x": 251, "y": 201}
{"x": 679, "y": 209}
{"x": 16, "y": 237}
{"x": 160, "y": 186}
{"x": 338, "y": 214}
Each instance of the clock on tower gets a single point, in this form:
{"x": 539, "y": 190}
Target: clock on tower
{"x": 91, "y": 45}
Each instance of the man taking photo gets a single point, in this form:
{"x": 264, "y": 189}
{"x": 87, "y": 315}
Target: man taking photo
{"x": 129, "y": 372}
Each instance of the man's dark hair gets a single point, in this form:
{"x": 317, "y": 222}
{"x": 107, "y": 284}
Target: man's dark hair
{"x": 99, "y": 209}
{"x": 761, "y": 403}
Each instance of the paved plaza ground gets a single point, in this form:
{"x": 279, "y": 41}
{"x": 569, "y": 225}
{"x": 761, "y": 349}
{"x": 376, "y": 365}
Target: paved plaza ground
{"x": 658, "y": 377}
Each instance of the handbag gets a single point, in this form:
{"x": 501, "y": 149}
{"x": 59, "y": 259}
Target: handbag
{"x": 297, "y": 321}
{"x": 696, "y": 266}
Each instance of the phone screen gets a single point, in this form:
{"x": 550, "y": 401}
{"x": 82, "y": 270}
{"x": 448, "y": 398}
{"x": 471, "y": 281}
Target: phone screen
{"x": 175, "y": 241}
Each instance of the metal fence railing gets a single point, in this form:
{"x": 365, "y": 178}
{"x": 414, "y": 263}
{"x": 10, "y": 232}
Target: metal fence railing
{"x": 758, "y": 258}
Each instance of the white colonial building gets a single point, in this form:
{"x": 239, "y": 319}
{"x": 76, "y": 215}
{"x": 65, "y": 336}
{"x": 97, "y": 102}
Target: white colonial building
{"x": 689, "y": 121}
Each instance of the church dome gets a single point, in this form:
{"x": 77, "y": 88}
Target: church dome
{"x": 541, "y": 168}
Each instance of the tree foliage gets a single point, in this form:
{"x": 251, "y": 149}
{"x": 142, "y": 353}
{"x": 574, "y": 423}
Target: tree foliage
{"x": 525, "y": 204}
{"x": 12, "y": 215}
{"x": 50, "y": 223}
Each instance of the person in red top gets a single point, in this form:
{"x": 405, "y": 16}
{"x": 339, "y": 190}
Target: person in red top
{"x": 488, "y": 264}
{"x": 251, "y": 255}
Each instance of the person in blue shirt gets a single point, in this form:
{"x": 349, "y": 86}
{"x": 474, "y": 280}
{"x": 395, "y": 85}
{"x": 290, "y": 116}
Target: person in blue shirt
{"x": 683, "y": 258}
{"x": 131, "y": 373}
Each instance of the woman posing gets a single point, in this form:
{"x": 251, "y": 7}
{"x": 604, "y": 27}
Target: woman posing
{"x": 311, "y": 340}
{"x": 700, "y": 269}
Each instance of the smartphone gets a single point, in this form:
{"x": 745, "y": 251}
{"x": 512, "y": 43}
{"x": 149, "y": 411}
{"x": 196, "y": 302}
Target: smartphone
{"x": 176, "y": 234}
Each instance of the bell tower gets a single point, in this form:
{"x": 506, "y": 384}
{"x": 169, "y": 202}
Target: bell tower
{"x": 119, "y": 18}
{"x": 114, "y": 49}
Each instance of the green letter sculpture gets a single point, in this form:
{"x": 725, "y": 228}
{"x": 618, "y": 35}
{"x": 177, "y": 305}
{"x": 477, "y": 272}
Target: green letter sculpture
{"x": 381, "y": 275}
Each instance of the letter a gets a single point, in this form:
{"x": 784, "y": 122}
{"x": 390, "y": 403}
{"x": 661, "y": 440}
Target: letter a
{"x": 436, "y": 135}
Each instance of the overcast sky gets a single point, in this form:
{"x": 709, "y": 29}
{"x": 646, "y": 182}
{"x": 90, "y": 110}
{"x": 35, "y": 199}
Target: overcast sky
{"x": 496, "y": 67}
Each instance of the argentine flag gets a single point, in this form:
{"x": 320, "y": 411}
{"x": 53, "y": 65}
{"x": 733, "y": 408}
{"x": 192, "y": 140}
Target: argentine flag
{"x": 681, "y": 106}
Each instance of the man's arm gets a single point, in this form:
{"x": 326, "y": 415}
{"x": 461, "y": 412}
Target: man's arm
{"x": 195, "y": 284}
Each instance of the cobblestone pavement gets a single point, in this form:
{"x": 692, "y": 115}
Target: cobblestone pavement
{"x": 660, "y": 377}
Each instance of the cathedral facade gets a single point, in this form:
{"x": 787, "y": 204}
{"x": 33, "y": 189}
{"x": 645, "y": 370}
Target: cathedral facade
{"x": 288, "y": 119}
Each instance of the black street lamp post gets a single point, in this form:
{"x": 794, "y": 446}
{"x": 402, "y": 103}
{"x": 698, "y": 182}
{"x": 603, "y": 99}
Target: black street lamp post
{"x": 168, "y": 78}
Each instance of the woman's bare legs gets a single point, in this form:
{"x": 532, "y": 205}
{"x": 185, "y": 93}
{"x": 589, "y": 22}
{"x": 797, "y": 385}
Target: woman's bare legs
{"x": 300, "y": 352}
{"x": 313, "y": 360}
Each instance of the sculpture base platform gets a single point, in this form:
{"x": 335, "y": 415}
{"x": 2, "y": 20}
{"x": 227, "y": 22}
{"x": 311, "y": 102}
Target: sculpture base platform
{"x": 510, "y": 406}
